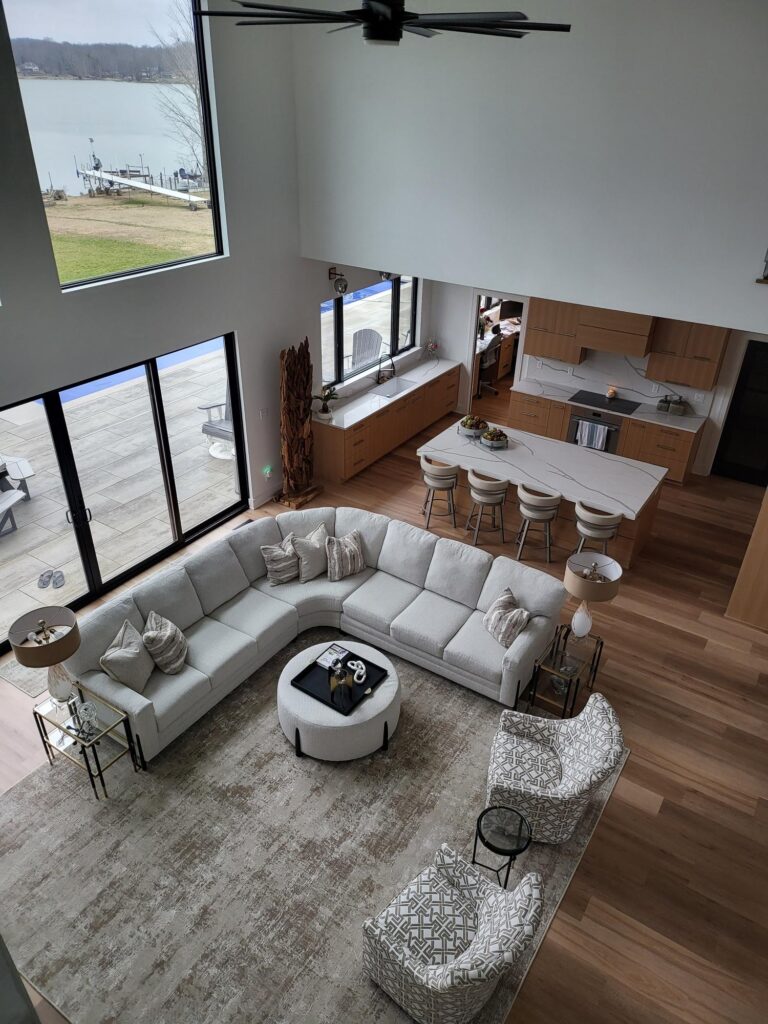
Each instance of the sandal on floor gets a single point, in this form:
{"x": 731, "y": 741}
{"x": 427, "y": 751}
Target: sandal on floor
{"x": 58, "y": 579}
{"x": 45, "y": 578}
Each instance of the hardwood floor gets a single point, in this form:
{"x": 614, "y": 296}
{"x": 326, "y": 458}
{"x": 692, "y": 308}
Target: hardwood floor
{"x": 665, "y": 920}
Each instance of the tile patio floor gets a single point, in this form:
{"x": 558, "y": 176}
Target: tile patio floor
{"x": 114, "y": 442}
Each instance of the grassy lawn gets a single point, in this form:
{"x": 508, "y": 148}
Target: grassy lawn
{"x": 82, "y": 257}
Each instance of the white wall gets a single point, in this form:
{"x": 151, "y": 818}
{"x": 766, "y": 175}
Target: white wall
{"x": 622, "y": 165}
{"x": 263, "y": 291}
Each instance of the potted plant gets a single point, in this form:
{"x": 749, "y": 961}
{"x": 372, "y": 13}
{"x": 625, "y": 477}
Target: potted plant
{"x": 327, "y": 394}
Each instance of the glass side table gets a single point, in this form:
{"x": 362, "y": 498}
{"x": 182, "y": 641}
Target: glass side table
{"x": 503, "y": 831}
{"x": 564, "y": 668}
{"x": 62, "y": 731}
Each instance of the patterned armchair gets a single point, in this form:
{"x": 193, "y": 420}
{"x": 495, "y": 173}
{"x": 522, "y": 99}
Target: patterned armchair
{"x": 441, "y": 946}
{"x": 547, "y": 768}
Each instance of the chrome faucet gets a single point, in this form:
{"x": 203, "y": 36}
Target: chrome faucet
{"x": 388, "y": 356}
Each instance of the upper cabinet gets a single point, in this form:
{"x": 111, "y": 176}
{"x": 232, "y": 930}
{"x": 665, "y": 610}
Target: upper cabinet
{"x": 551, "y": 331}
{"x": 686, "y": 353}
{"x": 610, "y": 330}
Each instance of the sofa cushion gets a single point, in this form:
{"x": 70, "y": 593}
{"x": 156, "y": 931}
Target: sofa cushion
{"x": 458, "y": 571}
{"x": 305, "y": 520}
{"x": 281, "y": 561}
{"x": 310, "y": 550}
{"x": 475, "y": 650}
{"x": 172, "y": 696}
{"x": 536, "y": 591}
{"x": 220, "y": 652}
{"x": 318, "y": 595}
{"x": 371, "y": 527}
{"x": 99, "y": 629}
{"x": 258, "y": 615}
{"x": 170, "y": 593}
{"x": 379, "y": 600}
{"x": 429, "y": 622}
{"x": 407, "y": 552}
{"x": 127, "y": 660}
{"x": 505, "y": 619}
{"x": 246, "y": 542}
{"x": 216, "y": 574}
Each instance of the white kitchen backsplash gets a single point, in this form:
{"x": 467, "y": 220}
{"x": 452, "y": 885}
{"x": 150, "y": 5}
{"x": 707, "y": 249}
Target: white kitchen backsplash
{"x": 627, "y": 373}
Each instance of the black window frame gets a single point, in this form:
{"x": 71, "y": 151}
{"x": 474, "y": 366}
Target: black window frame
{"x": 339, "y": 377}
{"x": 213, "y": 182}
{"x": 80, "y": 514}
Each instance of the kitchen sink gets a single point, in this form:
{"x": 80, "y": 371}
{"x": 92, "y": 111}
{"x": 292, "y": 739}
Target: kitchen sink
{"x": 393, "y": 387}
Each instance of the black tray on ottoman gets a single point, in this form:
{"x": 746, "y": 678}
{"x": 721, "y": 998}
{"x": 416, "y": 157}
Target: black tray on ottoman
{"x": 316, "y": 681}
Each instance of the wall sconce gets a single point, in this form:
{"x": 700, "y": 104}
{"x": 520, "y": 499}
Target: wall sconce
{"x": 340, "y": 283}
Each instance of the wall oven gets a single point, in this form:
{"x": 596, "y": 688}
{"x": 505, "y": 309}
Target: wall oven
{"x": 591, "y": 428}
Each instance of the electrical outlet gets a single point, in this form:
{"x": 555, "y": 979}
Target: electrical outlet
{"x": 539, "y": 364}
{"x": 655, "y": 389}
{"x": 570, "y": 371}
{"x": 699, "y": 396}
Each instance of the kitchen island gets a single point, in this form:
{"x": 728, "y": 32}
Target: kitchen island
{"x": 609, "y": 483}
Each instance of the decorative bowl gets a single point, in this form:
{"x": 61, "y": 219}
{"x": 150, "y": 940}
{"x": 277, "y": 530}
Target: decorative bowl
{"x": 502, "y": 442}
{"x": 467, "y": 432}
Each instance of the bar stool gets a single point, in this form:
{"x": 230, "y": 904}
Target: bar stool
{"x": 439, "y": 477}
{"x": 486, "y": 492}
{"x": 597, "y": 526}
{"x": 537, "y": 507}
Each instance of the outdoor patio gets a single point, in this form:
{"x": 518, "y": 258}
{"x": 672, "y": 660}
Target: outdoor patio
{"x": 115, "y": 448}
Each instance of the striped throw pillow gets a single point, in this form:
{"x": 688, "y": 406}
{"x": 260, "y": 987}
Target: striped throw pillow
{"x": 345, "y": 555}
{"x": 166, "y": 644}
{"x": 505, "y": 619}
{"x": 281, "y": 560}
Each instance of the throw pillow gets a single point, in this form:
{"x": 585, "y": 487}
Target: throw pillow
{"x": 281, "y": 561}
{"x": 345, "y": 555}
{"x": 505, "y": 619}
{"x": 166, "y": 644}
{"x": 127, "y": 660}
{"x": 311, "y": 551}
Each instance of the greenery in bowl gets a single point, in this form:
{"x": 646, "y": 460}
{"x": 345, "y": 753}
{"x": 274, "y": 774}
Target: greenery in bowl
{"x": 473, "y": 423}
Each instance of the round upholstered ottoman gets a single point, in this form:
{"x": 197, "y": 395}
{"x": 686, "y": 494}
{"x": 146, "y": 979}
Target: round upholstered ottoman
{"x": 318, "y": 730}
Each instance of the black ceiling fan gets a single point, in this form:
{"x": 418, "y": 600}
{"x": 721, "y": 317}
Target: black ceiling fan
{"x": 384, "y": 21}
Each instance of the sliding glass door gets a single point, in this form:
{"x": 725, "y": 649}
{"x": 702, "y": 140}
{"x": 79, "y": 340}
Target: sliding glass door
{"x": 104, "y": 478}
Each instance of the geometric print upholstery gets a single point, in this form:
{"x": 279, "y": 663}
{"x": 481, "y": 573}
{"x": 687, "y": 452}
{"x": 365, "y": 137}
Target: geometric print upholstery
{"x": 566, "y": 760}
{"x": 436, "y": 978}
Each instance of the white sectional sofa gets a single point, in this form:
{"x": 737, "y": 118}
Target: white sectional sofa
{"x": 420, "y": 597}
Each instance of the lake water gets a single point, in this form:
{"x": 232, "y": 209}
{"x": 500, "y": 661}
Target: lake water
{"x": 123, "y": 118}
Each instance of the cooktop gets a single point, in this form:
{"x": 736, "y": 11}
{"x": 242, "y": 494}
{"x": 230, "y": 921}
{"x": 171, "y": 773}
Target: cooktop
{"x": 601, "y": 402}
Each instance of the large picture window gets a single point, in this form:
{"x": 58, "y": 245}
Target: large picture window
{"x": 118, "y": 115}
{"x": 102, "y": 479}
{"x": 359, "y": 328}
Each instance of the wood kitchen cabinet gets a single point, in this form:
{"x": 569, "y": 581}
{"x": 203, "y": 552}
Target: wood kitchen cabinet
{"x": 340, "y": 453}
{"x": 506, "y": 356}
{"x": 686, "y": 353}
{"x": 550, "y": 331}
{"x": 660, "y": 445}
{"x": 611, "y": 330}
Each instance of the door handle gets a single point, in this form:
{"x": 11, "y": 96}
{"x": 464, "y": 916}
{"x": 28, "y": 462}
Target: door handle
{"x": 68, "y": 516}
{"x": 88, "y": 516}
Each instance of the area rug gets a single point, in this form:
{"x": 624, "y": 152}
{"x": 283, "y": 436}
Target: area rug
{"x": 32, "y": 681}
{"x": 229, "y": 883}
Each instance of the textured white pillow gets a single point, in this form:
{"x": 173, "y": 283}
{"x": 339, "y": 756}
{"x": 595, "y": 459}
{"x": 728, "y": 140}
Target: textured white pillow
{"x": 166, "y": 643}
{"x": 505, "y": 619}
{"x": 281, "y": 561}
{"x": 127, "y": 660}
{"x": 313, "y": 560}
{"x": 345, "y": 555}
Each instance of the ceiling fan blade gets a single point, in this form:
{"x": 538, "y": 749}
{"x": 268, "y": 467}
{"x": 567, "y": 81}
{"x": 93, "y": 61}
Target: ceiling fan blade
{"x": 295, "y": 21}
{"x": 471, "y": 17}
{"x": 477, "y": 31}
{"x": 303, "y": 12}
{"x": 343, "y": 28}
{"x": 428, "y": 32}
{"x": 258, "y": 17}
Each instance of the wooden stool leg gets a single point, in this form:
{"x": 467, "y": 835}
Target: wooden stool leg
{"x": 501, "y": 521}
{"x": 477, "y": 523}
{"x": 523, "y": 535}
{"x": 429, "y": 505}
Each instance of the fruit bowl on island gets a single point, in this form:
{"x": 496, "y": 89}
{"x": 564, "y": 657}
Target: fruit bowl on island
{"x": 494, "y": 438}
{"x": 472, "y": 426}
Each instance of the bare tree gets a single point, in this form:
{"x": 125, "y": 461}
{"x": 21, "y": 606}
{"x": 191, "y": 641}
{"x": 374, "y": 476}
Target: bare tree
{"x": 181, "y": 103}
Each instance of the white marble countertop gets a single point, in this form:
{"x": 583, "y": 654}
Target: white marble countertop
{"x": 609, "y": 483}
{"x": 646, "y": 411}
{"x": 347, "y": 413}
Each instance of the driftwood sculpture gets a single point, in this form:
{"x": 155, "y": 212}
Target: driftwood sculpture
{"x": 296, "y": 425}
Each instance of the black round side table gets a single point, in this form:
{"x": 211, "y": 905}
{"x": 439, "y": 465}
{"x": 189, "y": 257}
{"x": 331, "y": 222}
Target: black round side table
{"x": 504, "y": 831}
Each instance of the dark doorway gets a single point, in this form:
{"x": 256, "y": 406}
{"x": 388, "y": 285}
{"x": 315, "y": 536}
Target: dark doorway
{"x": 743, "y": 450}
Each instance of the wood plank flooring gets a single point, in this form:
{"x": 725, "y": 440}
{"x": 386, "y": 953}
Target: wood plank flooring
{"x": 665, "y": 920}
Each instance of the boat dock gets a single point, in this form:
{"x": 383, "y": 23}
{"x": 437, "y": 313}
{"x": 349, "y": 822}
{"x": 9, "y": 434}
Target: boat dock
{"x": 109, "y": 180}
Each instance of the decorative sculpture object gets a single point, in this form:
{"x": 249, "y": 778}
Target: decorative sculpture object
{"x": 296, "y": 442}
